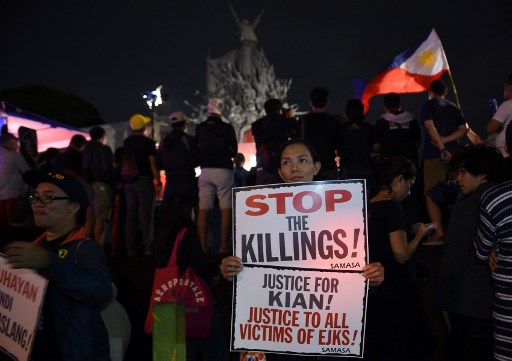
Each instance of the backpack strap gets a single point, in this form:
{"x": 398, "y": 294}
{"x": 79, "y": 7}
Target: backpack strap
{"x": 78, "y": 246}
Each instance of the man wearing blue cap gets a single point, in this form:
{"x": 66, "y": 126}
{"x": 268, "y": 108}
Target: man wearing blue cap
{"x": 70, "y": 327}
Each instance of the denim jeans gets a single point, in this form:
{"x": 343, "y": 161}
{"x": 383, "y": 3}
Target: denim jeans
{"x": 140, "y": 202}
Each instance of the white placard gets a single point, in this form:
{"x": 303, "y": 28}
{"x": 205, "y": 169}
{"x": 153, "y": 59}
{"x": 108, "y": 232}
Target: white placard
{"x": 303, "y": 246}
{"x": 21, "y": 297}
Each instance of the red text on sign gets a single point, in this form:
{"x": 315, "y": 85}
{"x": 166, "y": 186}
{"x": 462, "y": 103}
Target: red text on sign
{"x": 302, "y": 202}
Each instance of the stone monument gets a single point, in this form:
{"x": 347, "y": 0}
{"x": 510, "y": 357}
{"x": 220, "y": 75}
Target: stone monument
{"x": 244, "y": 78}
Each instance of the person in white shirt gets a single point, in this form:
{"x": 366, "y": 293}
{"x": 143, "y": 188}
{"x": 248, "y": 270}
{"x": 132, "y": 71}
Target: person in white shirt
{"x": 12, "y": 167}
{"x": 502, "y": 118}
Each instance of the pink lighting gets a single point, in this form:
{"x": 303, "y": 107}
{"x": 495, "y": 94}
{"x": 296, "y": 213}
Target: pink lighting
{"x": 249, "y": 152}
{"x": 47, "y": 135}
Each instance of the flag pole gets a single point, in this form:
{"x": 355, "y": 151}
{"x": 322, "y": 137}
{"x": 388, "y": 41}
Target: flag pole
{"x": 472, "y": 136}
{"x": 449, "y": 73}
{"x": 454, "y": 89}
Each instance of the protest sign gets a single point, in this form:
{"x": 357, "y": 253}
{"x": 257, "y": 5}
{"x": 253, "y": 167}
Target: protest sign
{"x": 303, "y": 246}
{"x": 21, "y": 297}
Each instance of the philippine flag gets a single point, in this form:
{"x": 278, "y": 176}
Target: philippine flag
{"x": 411, "y": 71}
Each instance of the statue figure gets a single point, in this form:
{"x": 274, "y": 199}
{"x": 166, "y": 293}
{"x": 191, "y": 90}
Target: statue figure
{"x": 244, "y": 79}
{"x": 246, "y": 28}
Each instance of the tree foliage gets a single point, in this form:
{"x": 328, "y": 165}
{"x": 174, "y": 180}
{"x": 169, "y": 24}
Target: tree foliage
{"x": 53, "y": 104}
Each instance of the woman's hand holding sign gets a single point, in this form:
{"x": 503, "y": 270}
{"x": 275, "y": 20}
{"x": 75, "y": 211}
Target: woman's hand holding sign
{"x": 299, "y": 163}
{"x": 374, "y": 272}
{"x": 231, "y": 266}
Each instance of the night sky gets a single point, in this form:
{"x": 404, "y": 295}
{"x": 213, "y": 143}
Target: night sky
{"x": 109, "y": 52}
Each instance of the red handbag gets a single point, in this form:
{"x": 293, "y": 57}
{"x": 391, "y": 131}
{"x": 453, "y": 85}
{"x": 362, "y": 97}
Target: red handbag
{"x": 169, "y": 285}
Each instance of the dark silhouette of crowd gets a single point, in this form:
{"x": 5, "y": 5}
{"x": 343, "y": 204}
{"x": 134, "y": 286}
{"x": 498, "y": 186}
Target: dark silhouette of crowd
{"x": 425, "y": 179}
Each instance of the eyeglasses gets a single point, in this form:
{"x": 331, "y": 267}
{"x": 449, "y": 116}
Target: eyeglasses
{"x": 44, "y": 199}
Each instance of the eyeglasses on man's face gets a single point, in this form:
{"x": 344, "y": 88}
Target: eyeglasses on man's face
{"x": 44, "y": 199}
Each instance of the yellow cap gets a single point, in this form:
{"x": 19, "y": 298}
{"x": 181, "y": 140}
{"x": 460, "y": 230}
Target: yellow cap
{"x": 138, "y": 121}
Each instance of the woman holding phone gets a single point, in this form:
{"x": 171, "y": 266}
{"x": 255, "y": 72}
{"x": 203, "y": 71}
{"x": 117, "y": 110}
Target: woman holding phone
{"x": 396, "y": 321}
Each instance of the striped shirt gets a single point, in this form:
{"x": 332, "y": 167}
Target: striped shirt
{"x": 495, "y": 228}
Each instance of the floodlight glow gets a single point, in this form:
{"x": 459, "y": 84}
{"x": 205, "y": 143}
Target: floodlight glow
{"x": 153, "y": 98}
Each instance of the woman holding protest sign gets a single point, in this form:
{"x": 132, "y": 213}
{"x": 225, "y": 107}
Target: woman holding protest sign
{"x": 396, "y": 321}
{"x": 298, "y": 163}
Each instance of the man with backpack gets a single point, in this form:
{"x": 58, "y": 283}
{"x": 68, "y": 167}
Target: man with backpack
{"x": 140, "y": 185}
{"x": 270, "y": 132}
{"x": 178, "y": 156}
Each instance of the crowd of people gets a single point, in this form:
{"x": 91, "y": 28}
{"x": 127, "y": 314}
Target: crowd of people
{"x": 448, "y": 188}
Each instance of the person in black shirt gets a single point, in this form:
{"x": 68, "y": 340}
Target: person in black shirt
{"x": 98, "y": 170}
{"x": 70, "y": 158}
{"x": 323, "y": 131}
{"x": 178, "y": 155}
{"x": 397, "y": 133}
{"x": 270, "y": 133}
{"x": 356, "y": 145}
{"x": 396, "y": 326}
{"x": 217, "y": 147}
{"x": 140, "y": 191}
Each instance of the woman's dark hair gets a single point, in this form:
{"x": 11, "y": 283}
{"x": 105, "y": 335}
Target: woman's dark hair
{"x": 308, "y": 145}
{"x": 390, "y": 168}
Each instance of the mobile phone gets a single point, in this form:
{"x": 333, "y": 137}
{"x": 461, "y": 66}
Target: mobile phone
{"x": 431, "y": 227}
